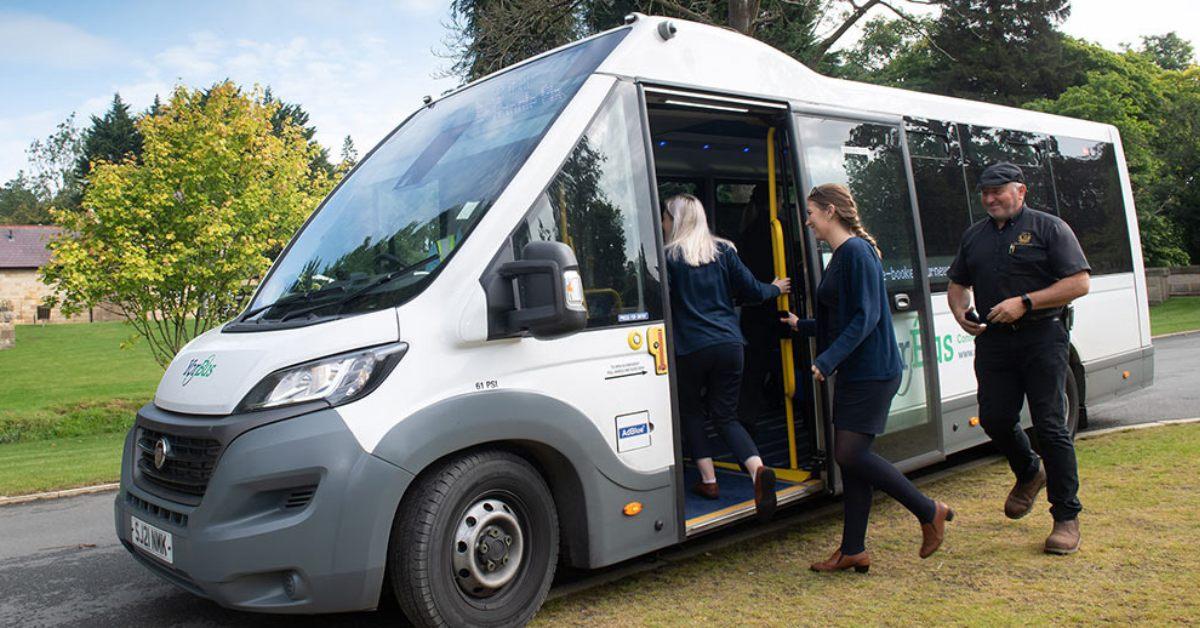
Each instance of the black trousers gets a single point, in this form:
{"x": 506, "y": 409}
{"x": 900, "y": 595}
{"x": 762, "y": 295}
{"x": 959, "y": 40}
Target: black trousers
{"x": 1030, "y": 363}
{"x": 709, "y": 383}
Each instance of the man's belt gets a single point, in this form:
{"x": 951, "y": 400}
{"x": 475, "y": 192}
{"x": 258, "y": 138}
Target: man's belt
{"x": 1029, "y": 320}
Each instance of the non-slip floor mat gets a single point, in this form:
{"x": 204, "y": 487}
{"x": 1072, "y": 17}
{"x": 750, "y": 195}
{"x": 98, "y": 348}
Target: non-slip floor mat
{"x": 735, "y": 487}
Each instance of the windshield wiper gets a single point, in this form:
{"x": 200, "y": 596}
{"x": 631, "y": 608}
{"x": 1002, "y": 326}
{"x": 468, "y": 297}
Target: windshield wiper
{"x": 292, "y": 299}
{"x": 379, "y": 281}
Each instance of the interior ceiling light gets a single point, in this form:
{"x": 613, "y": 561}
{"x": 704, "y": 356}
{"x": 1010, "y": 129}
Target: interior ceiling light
{"x": 684, "y": 103}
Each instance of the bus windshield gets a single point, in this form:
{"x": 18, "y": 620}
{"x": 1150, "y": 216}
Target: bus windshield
{"x": 378, "y": 239}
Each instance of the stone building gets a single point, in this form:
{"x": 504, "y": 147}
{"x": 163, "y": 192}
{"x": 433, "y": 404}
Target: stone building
{"x": 23, "y": 250}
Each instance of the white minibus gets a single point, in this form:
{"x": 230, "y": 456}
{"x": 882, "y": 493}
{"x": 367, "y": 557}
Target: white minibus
{"x": 458, "y": 374}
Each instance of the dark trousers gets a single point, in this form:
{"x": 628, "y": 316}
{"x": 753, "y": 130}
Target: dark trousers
{"x": 1030, "y": 363}
{"x": 760, "y": 327}
{"x": 709, "y": 382}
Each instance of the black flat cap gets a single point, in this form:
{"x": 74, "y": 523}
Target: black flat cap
{"x": 1000, "y": 173}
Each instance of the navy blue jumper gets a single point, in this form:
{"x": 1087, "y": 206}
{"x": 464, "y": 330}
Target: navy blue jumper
{"x": 709, "y": 346}
{"x": 855, "y": 338}
{"x": 702, "y": 300}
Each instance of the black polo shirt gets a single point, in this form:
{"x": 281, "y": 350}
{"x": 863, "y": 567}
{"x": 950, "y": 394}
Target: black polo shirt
{"x": 1031, "y": 251}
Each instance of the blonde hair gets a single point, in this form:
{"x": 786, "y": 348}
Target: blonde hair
{"x": 690, "y": 238}
{"x": 844, "y": 208}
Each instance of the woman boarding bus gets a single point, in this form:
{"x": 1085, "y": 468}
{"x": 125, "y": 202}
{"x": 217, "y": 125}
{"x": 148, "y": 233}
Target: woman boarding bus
{"x": 460, "y": 372}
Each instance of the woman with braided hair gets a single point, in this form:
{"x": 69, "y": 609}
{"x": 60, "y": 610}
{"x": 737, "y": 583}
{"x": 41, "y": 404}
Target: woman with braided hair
{"x": 855, "y": 341}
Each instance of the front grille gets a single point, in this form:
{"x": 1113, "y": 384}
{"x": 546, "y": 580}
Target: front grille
{"x": 187, "y": 468}
{"x": 154, "y": 510}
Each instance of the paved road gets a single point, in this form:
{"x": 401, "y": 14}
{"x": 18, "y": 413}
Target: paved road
{"x": 61, "y": 565}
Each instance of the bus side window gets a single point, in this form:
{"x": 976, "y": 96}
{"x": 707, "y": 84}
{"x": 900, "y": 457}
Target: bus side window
{"x": 599, "y": 204}
{"x": 987, "y": 145}
{"x": 867, "y": 158}
{"x": 1090, "y": 200}
{"x": 941, "y": 194}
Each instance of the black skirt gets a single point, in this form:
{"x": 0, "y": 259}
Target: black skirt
{"x": 863, "y": 406}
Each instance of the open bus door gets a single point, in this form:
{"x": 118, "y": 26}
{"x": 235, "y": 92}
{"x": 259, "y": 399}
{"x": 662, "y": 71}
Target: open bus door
{"x": 734, "y": 154}
{"x": 870, "y": 157}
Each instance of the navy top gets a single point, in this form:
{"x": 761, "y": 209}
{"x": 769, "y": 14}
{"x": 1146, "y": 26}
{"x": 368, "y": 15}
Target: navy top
{"x": 1031, "y": 251}
{"x": 854, "y": 331}
{"x": 702, "y": 297}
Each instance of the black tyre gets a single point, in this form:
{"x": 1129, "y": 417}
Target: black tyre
{"x": 1070, "y": 412}
{"x": 474, "y": 543}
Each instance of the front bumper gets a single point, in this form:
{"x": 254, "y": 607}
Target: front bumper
{"x": 259, "y": 538}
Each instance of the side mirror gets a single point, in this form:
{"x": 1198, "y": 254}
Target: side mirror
{"x": 549, "y": 291}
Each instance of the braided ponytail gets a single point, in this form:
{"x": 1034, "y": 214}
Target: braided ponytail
{"x": 845, "y": 208}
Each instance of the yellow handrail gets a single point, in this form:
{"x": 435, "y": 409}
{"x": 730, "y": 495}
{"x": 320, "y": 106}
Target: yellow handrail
{"x": 785, "y": 344}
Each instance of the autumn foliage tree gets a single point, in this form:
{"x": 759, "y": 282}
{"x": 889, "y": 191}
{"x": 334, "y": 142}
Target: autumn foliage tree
{"x": 177, "y": 241}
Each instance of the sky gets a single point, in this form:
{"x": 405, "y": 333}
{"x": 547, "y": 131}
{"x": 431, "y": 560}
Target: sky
{"x": 358, "y": 68}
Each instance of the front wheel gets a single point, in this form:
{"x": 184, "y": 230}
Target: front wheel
{"x": 475, "y": 543}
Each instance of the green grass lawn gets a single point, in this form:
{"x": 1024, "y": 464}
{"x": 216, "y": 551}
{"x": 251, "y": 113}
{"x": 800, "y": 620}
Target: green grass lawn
{"x": 35, "y": 466}
{"x": 72, "y": 380}
{"x": 1175, "y": 315}
{"x": 1137, "y": 565}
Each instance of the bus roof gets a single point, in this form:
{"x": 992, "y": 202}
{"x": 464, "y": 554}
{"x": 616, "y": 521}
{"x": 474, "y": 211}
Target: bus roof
{"x": 723, "y": 60}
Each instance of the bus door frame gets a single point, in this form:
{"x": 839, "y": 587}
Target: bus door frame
{"x": 814, "y": 270}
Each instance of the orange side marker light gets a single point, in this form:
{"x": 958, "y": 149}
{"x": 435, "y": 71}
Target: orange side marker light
{"x": 632, "y": 509}
{"x": 974, "y": 421}
{"x": 1124, "y": 374}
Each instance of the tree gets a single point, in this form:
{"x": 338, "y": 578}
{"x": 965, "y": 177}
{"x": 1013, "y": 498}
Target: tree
{"x": 20, "y": 205}
{"x": 293, "y": 114}
{"x": 349, "y": 155}
{"x": 1178, "y": 147}
{"x": 873, "y": 57}
{"x": 488, "y": 35}
{"x": 1002, "y": 51}
{"x": 1170, "y": 51}
{"x": 1132, "y": 93}
{"x": 54, "y": 160}
{"x": 112, "y": 138}
{"x": 177, "y": 241}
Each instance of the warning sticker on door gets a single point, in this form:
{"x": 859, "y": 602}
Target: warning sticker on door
{"x": 633, "y": 431}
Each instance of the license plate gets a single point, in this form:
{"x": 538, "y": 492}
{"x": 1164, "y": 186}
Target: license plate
{"x": 156, "y": 542}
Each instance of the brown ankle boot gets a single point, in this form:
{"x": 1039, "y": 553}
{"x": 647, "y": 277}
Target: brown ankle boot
{"x": 934, "y": 532}
{"x": 1064, "y": 539}
{"x": 764, "y": 492}
{"x": 1023, "y": 494}
{"x": 708, "y": 491}
{"x": 860, "y": 562}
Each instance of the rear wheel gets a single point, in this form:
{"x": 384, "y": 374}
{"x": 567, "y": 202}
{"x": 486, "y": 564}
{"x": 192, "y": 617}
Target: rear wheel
{"x": 475, "y": 543}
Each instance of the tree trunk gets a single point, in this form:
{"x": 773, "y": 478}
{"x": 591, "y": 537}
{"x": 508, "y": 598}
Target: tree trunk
{"x": 742, "y": 14}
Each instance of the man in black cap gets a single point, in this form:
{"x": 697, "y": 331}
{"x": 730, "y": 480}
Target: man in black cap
{"x": 1024, "y": 267}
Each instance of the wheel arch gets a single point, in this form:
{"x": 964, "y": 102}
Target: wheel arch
{"x": 585, "y": 477}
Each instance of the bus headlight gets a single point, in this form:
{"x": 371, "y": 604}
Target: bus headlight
{"x": 336, "y": 379}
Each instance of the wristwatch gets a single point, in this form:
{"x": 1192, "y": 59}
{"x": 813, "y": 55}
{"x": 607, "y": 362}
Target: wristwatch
{"x": 1027, "y": 301}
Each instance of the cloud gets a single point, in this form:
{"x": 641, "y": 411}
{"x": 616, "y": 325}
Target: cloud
{"x": 41, "y": 42}
{"x": 14, "y": 140}
{"x": 360, "y": 86}
{"x": 360, "y": 79}
{"x": 198, "y": 57}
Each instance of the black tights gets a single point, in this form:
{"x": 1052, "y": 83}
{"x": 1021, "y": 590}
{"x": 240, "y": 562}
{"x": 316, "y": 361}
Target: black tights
{"x": 862, "y": 471}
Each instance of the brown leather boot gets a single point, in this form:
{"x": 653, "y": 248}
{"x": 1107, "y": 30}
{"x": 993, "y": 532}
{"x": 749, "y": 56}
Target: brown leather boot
{"x": 934, "y": 532}
{"x": 764, "y": 492}
{"x": 1064, "y": 539}
{"x": 860, "y": 562}
{"x": 708, "y": 491}
{"x": 1023, "y": 494}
